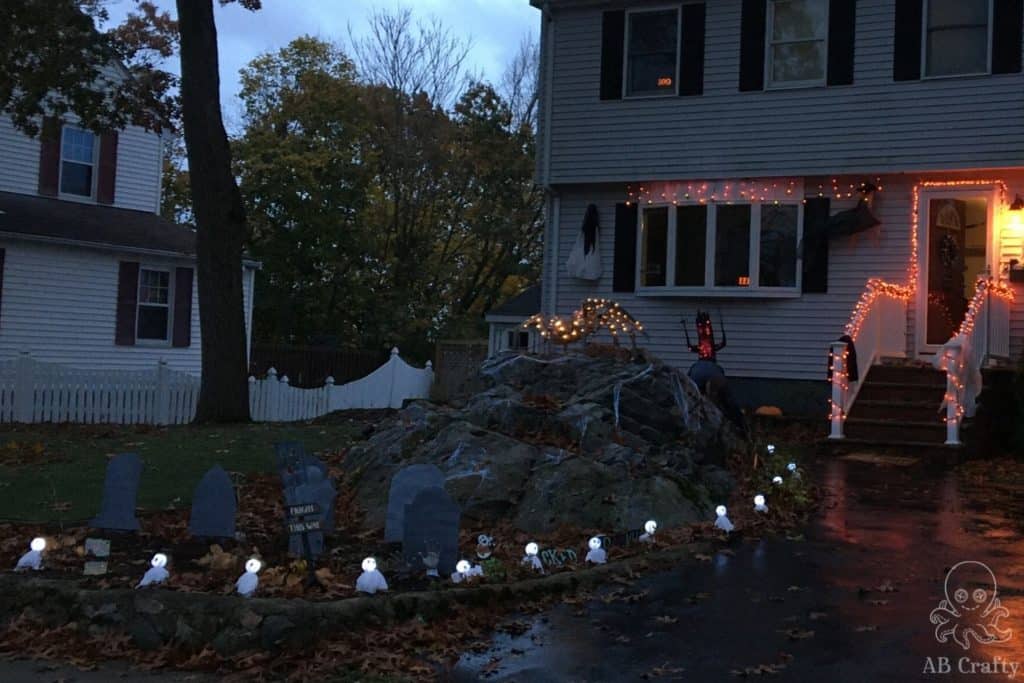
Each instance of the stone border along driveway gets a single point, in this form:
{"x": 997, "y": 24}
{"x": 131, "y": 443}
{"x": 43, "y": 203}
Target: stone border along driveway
{"x": 231, "y": 624}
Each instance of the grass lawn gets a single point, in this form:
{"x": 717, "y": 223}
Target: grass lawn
{"x": 54, "y": 473}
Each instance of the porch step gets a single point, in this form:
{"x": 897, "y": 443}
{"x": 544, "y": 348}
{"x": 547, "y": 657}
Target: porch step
{"x": 913, "y": 411}
{"x": 907, "y": 375}
{"x": 887, "y": 431}
{"x": 877, "y": 390}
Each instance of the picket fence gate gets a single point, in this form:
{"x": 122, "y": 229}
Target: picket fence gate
{"x": 33, "y": 391}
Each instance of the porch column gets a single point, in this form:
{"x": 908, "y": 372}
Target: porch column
{"x": 839, "y": 386}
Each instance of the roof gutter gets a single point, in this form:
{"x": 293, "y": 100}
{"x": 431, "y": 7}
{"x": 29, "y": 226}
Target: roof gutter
{"x": 105, "y": 246}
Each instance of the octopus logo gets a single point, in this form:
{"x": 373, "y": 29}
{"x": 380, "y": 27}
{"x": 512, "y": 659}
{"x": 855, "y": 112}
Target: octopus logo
{"x": 971, "y": 608}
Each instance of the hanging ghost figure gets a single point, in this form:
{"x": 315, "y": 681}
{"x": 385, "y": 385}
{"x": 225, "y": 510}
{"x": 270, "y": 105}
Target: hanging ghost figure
{"x": 157, "y": 572}
{"x": 650, "y": 526}
{"x": 722, "y": 520}
{"x": 33, "y": 559}
{"x": 596, "y": 554}
{"x": 971, "y": 609}
{"x": 531, "y": 558}
{"x": 371, "y": 580}
{"x": 585, "y": 257}
{"x": 249, "y": 581}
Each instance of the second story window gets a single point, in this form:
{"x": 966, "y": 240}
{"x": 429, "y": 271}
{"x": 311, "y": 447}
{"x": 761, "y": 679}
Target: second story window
{"x": 652, "y": 52}
{"x": 956, "y": 37}
{"x": 797, "y": 42}
{"x": 77, "y": 162}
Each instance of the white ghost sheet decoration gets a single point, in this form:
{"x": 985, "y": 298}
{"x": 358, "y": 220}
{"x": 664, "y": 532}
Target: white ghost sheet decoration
{"x": 722, "y": 519}
{"x": 596, "y": 554}
{"x": 759, "y": 504}
{"x": 249, "y": 581}
{"x": 650, "y": 526}
{"x": 530, "y": 558}
{"x": 464, "y": 571}
{"x": 157, "y": 572}
{"x": 371, "y": 580}
{"x": 33, "y": 559}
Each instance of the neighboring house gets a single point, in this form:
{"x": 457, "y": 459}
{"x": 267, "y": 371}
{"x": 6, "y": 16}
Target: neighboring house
{"x": 723, "y": 144}
{"x": 90, "y": 275}
{"x": 506, "y": 323}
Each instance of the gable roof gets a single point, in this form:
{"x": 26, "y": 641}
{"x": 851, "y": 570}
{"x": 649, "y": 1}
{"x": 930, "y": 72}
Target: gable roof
{"x": 521, "y": 306}
{"x": 55, "y": 220}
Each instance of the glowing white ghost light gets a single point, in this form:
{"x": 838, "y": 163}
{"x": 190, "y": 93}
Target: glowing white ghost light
{"x": 791, "y": 467}
{"x": 776, "y": 479}
{"x": 33, "y": 559}
{"x": 465, "y": 571}
{"x": 371, "y": 580}
{"x": 249, "y": 581}
{"x": 596, "y": 554}
{"x": 650, "y": 526}
{"x": 462, "y": 567}
{"x": 771, "y": 449}
{"x": 722, "y": 520}
{"x": 759, "y": 504}
{"x": 531, "y": 558}
{"x": 157, "y": 573}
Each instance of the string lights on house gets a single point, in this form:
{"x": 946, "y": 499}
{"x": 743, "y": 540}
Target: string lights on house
{"x": 774, "y": 190}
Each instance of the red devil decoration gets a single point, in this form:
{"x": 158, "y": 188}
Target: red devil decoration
{"x": 706, "y": 348}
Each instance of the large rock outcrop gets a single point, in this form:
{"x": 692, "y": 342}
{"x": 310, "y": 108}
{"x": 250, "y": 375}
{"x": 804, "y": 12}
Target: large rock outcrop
{"x": 596, "y": 442}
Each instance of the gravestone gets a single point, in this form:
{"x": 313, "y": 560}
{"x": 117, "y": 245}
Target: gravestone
{"x": 316, "y": 490}
{"x": 214, "y": 505}
{"x": 432, "y": 525}
{"x": 406, "y": 483}
{"x": 120, "y": 488}
{"x": 303, "y": 524}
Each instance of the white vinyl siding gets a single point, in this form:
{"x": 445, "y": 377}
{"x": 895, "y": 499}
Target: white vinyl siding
{"x": 874, "y": 125}
{"x": 784, "y": 338}
{"x": 138, "y": 166}
{"x": 59, "y": 304}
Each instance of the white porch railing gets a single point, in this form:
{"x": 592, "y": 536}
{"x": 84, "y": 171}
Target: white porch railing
{"x": 878, "y": 327}
{"x": 32, "y": 391}
{"x": 984, "y": 334}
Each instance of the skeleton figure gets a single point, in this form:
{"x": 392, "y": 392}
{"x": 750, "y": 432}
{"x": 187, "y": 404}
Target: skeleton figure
{"x": 971, "y": 608}
{"x": 706, "y": 348}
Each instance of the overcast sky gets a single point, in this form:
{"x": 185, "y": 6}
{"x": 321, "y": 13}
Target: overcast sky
{"x": 496, "y": 26}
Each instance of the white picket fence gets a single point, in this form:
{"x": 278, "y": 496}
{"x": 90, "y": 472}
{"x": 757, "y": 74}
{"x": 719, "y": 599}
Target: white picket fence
{"x": 32, "y": 391}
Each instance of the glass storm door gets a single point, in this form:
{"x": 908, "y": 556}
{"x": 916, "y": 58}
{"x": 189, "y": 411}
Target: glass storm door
{"x": 956, "y": 243}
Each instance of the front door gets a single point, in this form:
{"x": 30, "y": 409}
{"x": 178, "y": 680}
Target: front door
{"x": 954, "y": 246}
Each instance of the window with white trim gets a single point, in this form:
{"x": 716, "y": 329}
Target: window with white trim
{"x": 724, "y": 248}
{"x": 956, "y": 37}
{"x": 517, "y": 340}
{"x": 797, "y": 42}
{"x": 652, "y": 52}
{"x": 154, "y": 307}
{"x": 77, "y": 162}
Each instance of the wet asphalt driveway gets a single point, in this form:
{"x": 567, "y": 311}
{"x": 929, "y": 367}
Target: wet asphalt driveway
{"x": 849, "y": 600}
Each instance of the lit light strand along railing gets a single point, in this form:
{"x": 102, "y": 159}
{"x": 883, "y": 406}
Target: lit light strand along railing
{"x": 964, "y": 354}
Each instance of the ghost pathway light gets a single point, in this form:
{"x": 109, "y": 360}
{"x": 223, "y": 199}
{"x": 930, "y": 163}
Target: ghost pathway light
{"x": 771, "y": 449}
{"x": 530, "y": 558}
{"x": 157, "y": 572}
{"x": 596, "y": 554}
{"x": 776, "y": 479}
{"x": 464, "y": 571}
{"x": 650, "y": 526}
{"x": 249, "y": 581}
{"x": 759, "y": 504}
{"x": 371, "y": 580}
{"x": 33, "y": 559}
{"x": 722, "y": 520}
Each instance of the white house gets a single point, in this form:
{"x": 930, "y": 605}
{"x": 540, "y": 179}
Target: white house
{"x": 505, "y": 323}
{"x": 90, "y": 275}
{"x": 724, "y": 144}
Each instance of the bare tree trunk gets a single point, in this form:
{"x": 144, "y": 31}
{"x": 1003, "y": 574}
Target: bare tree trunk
{"x": 220, "y": 221}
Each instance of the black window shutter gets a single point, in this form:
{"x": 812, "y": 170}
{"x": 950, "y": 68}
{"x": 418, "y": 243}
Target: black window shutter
{"x": 624, "y": 269}
{"x": 906, "y": 58}
{"x": 182, "y": 335}
{"x": 752, "y": 36}
{"x": 3, "y": 258}
{"x": 1008, "y": 23}
{"x": 691, "y": 56}
{"x": 107, "y": 180}
{"x": 127, "y": 303}
{"x": 49, "y": 156}
{"x": 815, "y": 252}
{"x": 842, "y": 39}
{"x": 613, "y": 39}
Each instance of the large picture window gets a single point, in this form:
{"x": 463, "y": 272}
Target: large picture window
{"x": 797, "y": 42}
{"x": 957, "y": 37}
{"x": 652, "y": 52}
{"x": 77, "y": 161}
{"x": 725, "y": 249}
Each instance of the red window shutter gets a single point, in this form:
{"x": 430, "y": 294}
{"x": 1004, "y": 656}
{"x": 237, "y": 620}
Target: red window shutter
{"x": 182, "y": 337}
{"x": 127, "y": 303}
{"x": 49, "y": 156}
{"x": 107, "y": 179}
